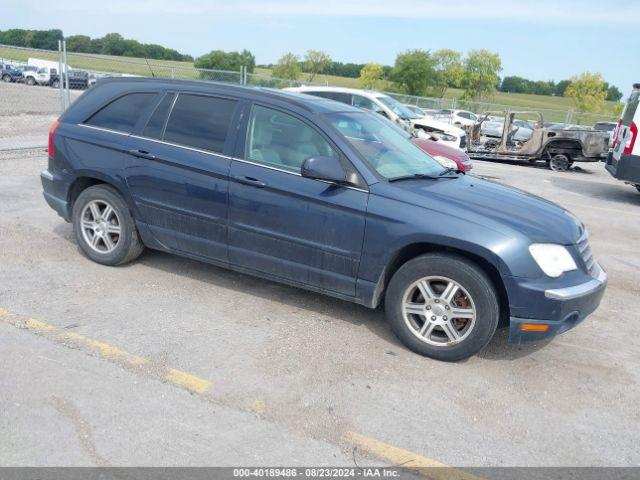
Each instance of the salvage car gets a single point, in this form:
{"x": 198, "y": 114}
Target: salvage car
{"x": 9, "y": 73}
{"x": 319, "y": 195}
{"x": 623, "y": 161}
{"x": 393, "y": 110}
{"x": 560, "y": 148}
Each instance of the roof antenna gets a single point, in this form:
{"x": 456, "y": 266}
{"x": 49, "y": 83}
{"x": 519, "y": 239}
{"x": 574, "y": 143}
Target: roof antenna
{"x": 150, "y": 69}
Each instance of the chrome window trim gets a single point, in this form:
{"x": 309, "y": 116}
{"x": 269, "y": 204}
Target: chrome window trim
{"x": 214, "y": 154}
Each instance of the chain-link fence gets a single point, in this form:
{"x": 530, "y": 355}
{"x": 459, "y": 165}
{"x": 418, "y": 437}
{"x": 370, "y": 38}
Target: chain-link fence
{"x": 39, "y": 84}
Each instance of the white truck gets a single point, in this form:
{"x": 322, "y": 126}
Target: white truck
{"x": 623, "y": 161}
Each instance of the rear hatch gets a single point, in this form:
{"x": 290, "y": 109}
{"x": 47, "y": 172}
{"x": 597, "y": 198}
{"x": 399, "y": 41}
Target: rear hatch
{"x": 624, "y": 139}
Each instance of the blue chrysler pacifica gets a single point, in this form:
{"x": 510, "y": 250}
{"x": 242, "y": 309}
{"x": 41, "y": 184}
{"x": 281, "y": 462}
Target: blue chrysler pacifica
{"x": 320, "y": 195}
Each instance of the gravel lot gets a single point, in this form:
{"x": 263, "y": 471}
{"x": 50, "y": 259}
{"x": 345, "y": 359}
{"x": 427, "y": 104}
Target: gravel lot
{"x": 168, "y": 361}
{"x": 26, "y": 114}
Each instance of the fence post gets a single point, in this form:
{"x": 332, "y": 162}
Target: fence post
{"x": 65, "y": 80}
{"x": 60, "y": 86}
{"x": 569, "y": 116}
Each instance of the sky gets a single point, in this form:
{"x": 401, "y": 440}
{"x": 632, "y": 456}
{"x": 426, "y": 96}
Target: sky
{"x": 539, "y": 39}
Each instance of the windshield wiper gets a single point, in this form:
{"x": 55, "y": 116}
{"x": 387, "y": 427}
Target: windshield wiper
{"x": 449, "y": 170}
{"x": 419, "y": 175}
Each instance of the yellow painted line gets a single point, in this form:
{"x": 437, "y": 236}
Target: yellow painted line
{"x": 139, "y": 364}
{"x": 399, "y": 457}
{"x": 186, "y": 380}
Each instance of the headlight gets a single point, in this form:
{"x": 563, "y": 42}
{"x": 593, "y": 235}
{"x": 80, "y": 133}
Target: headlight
{"x": 445, "y": 162}
{"x": 447, "y": 138}
{"x": 553, "y": 259}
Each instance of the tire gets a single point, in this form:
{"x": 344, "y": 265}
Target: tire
{"x": 100, "y": 242}
{"x": 560, "y": 162}
{"x": 30, "y": 81}
{"x": 7, "y": 78}
{"x": 475, "y": 297}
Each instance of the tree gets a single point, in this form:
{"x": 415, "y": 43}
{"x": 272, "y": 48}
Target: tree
{"x": 79, "y": 43}
{"x": 613, "y": 94}
{"x": 414, "y": 71}
{"x": 448, "y": 65}
{"x": 220, "y": 60}
{"x": 561, "y": 86}
{"x": 587, "y": 92}
{"x": 288, "y": 67}
{"x": 315, "y": 62}
{"x": 371, "y": 75}
{"x": 480, "y": 77}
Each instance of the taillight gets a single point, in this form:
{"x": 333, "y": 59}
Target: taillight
{"x": 52, "y": 132}
{"x": 616, "y": 133}
{"x": 631, "y": 141}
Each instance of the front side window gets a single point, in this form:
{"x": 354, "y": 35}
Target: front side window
{"x": 397, "y": 108}
{"x": 384, "y": 148}
{"x": 283, "y": 141}
{"x": 200, "y": 121}
{"x": 364, "y": 102}
{"x": 123, "y": 113}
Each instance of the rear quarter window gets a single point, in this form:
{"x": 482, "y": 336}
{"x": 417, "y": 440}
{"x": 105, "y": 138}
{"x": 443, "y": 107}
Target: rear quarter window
{"x": 122, "y": 114}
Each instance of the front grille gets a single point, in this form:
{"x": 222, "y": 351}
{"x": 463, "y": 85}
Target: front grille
{"x": 463, "y": 141}
{"x": 587, "y": 255}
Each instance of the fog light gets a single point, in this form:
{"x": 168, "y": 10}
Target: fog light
{"x": 534, "y": 327}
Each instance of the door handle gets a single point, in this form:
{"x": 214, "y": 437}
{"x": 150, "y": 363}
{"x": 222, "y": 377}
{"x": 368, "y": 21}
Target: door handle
{"x": 142, "y": 154}
{"x": 254, "y": 182}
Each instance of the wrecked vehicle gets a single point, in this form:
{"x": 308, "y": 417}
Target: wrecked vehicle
{"x": 558, "y": 147}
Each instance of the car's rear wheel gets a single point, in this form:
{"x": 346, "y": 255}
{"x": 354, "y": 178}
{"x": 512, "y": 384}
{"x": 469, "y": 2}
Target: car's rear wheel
{"x": 442, "y": 306}
{"x": 104, "y": 227}
{"x": 560, "y": 162}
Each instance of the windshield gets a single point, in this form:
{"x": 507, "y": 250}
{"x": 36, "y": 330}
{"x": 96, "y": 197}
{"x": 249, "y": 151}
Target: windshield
{"x": 383, "y": 146}
{"x": 397, "y": 108}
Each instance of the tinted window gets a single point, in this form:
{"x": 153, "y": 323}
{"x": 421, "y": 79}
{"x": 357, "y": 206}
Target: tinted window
{"x": 155, "y": 125}
{"x": 122, "y": 114}
{"x": 282, "y": 141}
{"x": 200, "y": 121}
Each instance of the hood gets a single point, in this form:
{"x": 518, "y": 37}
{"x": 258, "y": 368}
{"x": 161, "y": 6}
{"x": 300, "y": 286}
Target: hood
{"x": 445, "y": 127}
{"x": 503, "y": 209}
{"x": 436, "y": 148}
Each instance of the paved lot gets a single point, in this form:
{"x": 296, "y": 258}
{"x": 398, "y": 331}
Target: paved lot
{"x": 169, "y": 361}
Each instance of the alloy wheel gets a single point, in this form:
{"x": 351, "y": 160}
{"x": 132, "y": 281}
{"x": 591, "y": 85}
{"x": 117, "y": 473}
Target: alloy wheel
{"x": 101, "y": 226}
{"x": 438, "y": 311}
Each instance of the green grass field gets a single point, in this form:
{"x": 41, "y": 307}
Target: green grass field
{"x": 166, "y": 68}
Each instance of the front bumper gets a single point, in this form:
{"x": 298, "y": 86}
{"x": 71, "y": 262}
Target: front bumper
{"x": 571, "y": 304}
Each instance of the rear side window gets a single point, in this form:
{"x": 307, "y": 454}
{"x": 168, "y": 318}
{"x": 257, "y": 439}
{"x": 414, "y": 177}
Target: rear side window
{"x": 200, "y": 121}
{"x": 155, "y": 126}
{"x": 123, "y": 113}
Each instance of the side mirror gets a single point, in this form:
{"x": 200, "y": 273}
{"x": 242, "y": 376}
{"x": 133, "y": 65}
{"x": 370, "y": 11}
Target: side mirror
{"x": 324, "y": 168}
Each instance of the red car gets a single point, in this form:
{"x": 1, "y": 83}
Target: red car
{"x": 445, "y": 155}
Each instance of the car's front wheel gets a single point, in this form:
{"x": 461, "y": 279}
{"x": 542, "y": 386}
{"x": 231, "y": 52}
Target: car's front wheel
{"x": 442, "y": 306}
{"x": 104, "y": 227}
